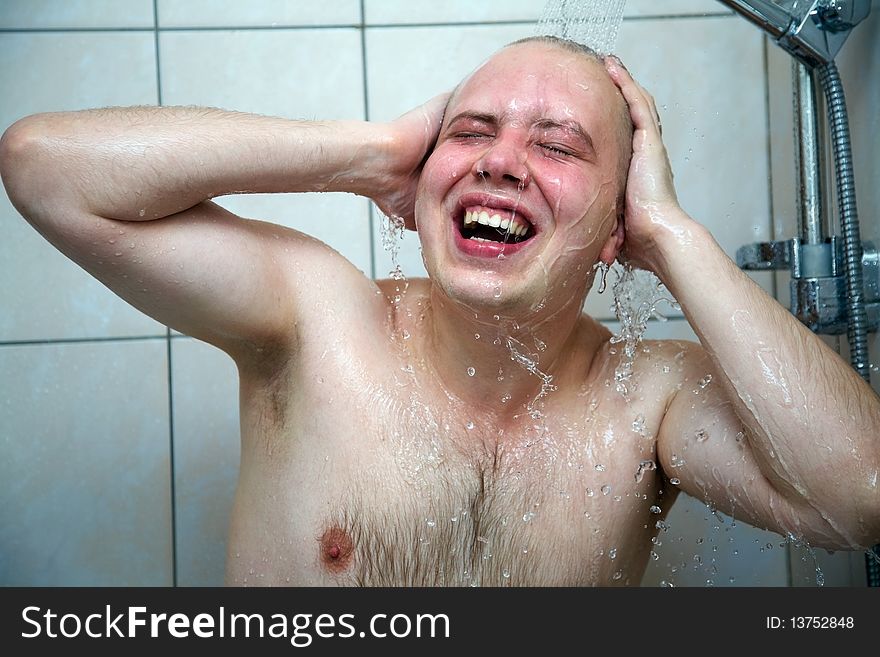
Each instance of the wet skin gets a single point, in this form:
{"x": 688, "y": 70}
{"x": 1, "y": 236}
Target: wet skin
{"x": 362, "y": 440}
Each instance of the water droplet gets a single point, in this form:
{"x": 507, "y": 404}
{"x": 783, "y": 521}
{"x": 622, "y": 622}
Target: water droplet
{"x": 676, "y": 461}
{"x": 645, "y": 466}
{"x": 505, "y": 398}
{"x": 429, "y": 522}
{"x": 600, "y": 467}
{"x": 675, "y": 481}
{"x": 656, "y": 509}
{"x": 638, "y": 425}
{"x": 469, "y": 425}
{"x": 605, "y": 489}
{"x": 476, "y": 336}
{"x": 471, "y": 371}
{"x": 142, "y": 212}
{"x": 589, "y": 492}
{"x": 661, "y": 525}
{"x": 528, "y": 515}
{"x": 497, "y": 292}
{"x": 706, "y": 380}
{"x": 617, "y": 575}
{"x": 612, "y": 553}
{"x": 702, "y": 436}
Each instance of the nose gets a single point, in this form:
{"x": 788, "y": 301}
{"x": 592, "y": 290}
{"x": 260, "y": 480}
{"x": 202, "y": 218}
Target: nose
{"x": 504, "y": 161}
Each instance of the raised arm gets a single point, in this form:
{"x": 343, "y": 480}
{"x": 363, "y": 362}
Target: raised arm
{"x": 771, "y": 424}
{"x": 125, "y": 193}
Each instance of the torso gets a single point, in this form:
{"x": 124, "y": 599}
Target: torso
{"x": 357, "y": 469}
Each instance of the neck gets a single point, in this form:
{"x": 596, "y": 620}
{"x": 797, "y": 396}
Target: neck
{"x": 503, "y": 363}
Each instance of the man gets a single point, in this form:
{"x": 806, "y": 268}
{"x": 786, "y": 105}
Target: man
{"x": 466, "y": 429}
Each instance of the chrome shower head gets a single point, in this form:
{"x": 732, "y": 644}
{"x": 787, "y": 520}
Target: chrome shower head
{"x": 813, "y": 31}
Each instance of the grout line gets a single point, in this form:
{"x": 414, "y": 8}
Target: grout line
{"x": 336, "y": 26}
{"x": 54, "y": 30}
{"x": 171, "y": 462}
{"x": 54, "y": 341}
{"x": 370, "y": 213}
{"x": 774, "y": 283}
{"x": 156, "y": 45}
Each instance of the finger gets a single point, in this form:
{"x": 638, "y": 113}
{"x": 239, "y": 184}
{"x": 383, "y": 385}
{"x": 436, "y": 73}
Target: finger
{"x": 642, "y": 108}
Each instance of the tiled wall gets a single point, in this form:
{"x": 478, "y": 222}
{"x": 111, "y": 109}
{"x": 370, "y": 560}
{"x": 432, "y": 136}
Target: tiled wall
{"x": 118, "y": 439}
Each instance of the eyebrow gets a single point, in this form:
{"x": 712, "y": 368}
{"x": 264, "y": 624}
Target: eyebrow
{"x": 474, "y": 116}
{"x": 568, "y": 126}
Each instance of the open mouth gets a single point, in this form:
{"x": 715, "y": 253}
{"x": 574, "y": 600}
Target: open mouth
{"x": 483, "y": 224}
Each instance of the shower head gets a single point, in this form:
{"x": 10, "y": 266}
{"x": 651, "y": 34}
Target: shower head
{"x": 813, "y": 31}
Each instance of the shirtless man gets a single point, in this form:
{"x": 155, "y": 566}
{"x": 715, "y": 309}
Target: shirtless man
{"x": 411, "y": 434}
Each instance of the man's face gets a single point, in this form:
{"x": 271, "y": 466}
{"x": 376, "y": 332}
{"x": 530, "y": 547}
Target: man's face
{"x": 530, "y": 139}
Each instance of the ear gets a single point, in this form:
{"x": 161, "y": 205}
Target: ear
{"x": 614, "y": 243}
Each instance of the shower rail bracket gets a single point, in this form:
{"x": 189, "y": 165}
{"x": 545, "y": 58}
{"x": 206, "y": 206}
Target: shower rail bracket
{"x": 818, "y": 284}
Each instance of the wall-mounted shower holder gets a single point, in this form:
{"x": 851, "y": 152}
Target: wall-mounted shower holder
{"x": 818, "y": 284}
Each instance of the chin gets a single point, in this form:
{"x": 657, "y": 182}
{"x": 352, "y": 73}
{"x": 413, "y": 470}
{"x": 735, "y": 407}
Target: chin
{"x": 488, "y": 294}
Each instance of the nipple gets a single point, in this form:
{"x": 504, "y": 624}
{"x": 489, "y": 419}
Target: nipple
{"x": 336, "y": 549}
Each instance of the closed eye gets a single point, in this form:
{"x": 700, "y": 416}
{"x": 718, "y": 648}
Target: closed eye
{"x": 472, "y": 135}
{"x": 556, "y": 150}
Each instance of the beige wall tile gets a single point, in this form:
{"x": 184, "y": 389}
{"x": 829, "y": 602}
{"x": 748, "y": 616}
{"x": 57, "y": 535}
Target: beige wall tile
{"x": 234, "y": 13}
{"x": 710, "y": 95}
{"x": 644, "y": 8}
{"x": 16, "y": 14}
{"x": 84, "y": 465}
{"x": 300, "y": 74}
{"x": 45, "y": 295}
{"x": 339, "y": 220}
{"x": 452, "y": 11}
{"x": 705, "y": 549}
{"x": 206, "y": 455}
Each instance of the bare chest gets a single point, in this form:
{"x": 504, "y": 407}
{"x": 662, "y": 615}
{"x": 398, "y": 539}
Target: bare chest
{"x": 376, "y": 481}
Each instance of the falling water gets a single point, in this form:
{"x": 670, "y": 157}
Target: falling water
{"x": 636, "y": 295}
{"x": 592, "y": 23}
{"x": 392, "y": 230}
{"x": 520, "y": 355}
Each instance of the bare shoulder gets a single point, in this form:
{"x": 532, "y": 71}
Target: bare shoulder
{"x": 658, "y": 369}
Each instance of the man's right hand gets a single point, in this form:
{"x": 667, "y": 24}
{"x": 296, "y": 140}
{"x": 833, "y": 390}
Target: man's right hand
{"x": 413, "y": 136}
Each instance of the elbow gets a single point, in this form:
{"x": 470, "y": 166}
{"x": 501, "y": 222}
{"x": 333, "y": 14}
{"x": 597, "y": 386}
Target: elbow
{"x": 19, "y": 154}
{"x": 27, "y": 165}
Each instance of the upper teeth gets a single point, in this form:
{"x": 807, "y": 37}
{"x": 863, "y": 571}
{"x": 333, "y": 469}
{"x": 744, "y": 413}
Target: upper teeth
{"x": 513, "y": 225}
